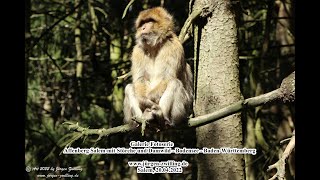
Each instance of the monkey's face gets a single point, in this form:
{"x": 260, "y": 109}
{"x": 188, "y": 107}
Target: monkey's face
{"x": 147, "y": 34}
{"x": 153, "y": 27}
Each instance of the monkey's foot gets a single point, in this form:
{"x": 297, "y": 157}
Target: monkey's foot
{"x": 148, "y": 115}
{"x": 155, "y": 107}
{"x": 156, "y": 111}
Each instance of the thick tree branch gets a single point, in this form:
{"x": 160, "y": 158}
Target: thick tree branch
{"x": 234, "y": 108}
{"x": 286, "y": 92}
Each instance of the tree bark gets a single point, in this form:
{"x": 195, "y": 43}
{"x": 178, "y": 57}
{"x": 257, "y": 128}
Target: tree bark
{"x": 217, "y": 86}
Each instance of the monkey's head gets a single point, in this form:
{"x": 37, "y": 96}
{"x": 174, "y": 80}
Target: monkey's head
{"x": 153, "y": 26}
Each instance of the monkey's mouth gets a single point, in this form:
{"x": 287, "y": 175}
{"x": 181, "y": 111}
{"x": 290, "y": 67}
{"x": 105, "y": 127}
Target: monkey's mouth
{"x": 144, "y": 39}
{"x": 148, "y": 39}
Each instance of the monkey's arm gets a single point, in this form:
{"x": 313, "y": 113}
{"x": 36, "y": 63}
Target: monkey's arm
{"x": 171, "y": 57}
{"x": 138, "y": 70}
{"x": 156, "y": 93}
{"x": 140, "y": 78}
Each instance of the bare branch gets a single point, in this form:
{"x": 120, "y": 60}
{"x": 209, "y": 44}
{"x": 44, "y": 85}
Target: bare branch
{"x": 286, "y": 92}
{"x": 53, "y": 61}
{"x": 281, "y": 163}
{"x": 198, "y": 11}
{"x": 195, "y": 14}
{"x": 127, "y": 7}
{"x": 125, "y": 76}
{"x": 100, "y": 132}
{"x": 80, "y": 132}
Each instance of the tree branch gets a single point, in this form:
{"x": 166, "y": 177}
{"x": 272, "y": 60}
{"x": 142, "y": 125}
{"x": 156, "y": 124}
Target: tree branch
{"x": 125, "y": 76}
{"x": 183, "y": 33}
{"x": 80, "y": 132}
{"x": 286, "y": 92}
{"x": 280, "y": 165}
{"x": 126, "y": 9}
{"x": 198, "y": 11}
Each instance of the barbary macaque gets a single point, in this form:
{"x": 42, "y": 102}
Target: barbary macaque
{"x": 162, "y": 82}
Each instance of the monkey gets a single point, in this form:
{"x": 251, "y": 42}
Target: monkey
{"x": 162, "y": 81}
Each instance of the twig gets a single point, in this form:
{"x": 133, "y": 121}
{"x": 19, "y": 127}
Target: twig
{"x": 127, "y": 7}
{"x": 281, "y": 163}
{"x": 125, "y": 76}
{"x": 53, "y": 61}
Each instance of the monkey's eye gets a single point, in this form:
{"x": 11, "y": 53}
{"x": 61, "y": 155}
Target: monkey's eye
{"x": 149, "y": 20}
{"x": 146, "y": 21}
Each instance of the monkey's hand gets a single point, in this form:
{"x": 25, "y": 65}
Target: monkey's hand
{"x": 163, "y": 122}
{"x": 150, "y": 116}
{"x": 156, "y": 111}
{"x": 154, "y": 96}
{"x": 153, "y": 113}
{"x": 168, "y": 124}
{"x": 156, "y": 93}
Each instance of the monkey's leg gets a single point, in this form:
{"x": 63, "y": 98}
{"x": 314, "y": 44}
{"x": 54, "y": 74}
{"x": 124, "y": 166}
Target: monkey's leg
{"x": 131, "y": 104}
{"x": 173, "y": 103}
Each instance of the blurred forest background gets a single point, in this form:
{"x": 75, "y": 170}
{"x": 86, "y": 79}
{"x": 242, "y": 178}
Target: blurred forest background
{"x": 75, "y": 50}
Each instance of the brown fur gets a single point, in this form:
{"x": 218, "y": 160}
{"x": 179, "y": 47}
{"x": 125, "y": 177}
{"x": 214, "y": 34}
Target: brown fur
{"x": 161, "y": 79}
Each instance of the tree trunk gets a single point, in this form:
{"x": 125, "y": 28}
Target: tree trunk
{"x": 77, "y": 33}
{"x": 217, "y": 86}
